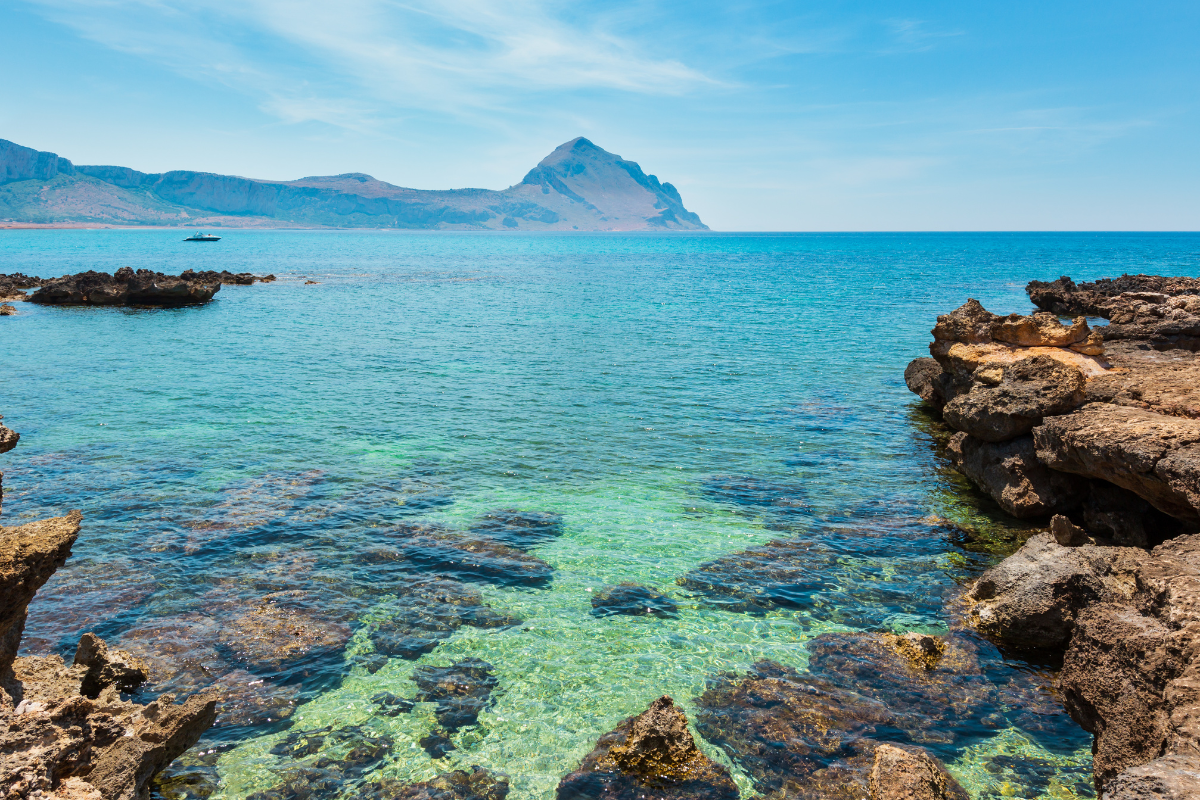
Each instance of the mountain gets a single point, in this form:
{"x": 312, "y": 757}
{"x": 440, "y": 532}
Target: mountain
{"x": 577, "y": 187}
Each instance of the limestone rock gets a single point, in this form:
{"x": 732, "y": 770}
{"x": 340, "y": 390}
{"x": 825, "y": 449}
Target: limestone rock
{"x": 1011, "y": 474}
{"x": 1032, "y": 598}
{"x": 107, "y": 667}
{"x": 907, "y": 775}
{"x": 651, "y": 756}
{"x": 1029, "y": 390}
{"x": 1175, "y": 777}
{"x": 1155, "y": 456}
{"x": 1165, "y": 382}
{"x": 1067, "y": 533}
{"x": 7, "y": 311}
{"x": 1064, "y": 296}
{"x": 924, "y": 378}
{"x": 29, "y": 555}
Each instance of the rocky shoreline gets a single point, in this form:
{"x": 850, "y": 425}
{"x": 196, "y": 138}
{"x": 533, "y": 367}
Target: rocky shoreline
{"x": 1098, "y": 432}
{"x": 123, "y": 288}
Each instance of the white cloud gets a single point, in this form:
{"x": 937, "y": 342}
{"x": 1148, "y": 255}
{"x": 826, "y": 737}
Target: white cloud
{"x": 357, "y": 62}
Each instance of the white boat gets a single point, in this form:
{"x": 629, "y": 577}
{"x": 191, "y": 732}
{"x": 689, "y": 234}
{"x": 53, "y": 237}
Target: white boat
{"x": 202, "y": 237}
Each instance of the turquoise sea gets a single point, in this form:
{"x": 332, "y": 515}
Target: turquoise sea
{"x": 675, "y": 398}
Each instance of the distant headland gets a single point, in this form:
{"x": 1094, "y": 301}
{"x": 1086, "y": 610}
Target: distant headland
{"x": 577, "y": 187}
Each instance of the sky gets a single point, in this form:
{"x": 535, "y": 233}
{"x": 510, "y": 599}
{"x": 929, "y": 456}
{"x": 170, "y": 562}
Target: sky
{"x": 765, "y": 115}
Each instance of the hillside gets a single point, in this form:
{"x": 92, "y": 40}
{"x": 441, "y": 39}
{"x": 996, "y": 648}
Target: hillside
{"x": 577, "y": 187}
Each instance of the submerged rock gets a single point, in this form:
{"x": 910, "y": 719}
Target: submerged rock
{"x": 520, "y": 529}
{"x": 649, "y": 757}
{"x": 438, "y": 549}
{"x": 278, "y": 631}
{"x": 782, "y": 500}
{"x": 125, "y": 287}
{"x": 427, "y": 612}
{"x": 478, "y": 784}
{"x": 460, "y": 691}
{"x": 899, "y": 774}
{"x": 631, "y": 599}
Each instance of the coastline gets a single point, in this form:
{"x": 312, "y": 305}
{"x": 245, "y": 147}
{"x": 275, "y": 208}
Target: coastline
{"x": 1099, "y": 429}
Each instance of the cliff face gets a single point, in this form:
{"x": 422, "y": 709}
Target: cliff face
{"x": 577, "y": 187}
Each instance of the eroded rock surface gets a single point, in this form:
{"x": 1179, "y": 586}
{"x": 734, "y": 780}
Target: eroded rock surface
{"x": 1163, "y": 311}
{"x": 1027, "y": 391}
{"x": 649, "y": 757}
{"x": 124, "y": 288}
{"x": 66, "y": 729}
{"x": 899, "y": 774}
{"x": 1166, "y": 778}
{"x": 1096, "y": 299}
{"x": 1011, "y": 474}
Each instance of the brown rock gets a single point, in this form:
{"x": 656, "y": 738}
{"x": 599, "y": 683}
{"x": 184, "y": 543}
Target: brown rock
{"x": 29, "y": 555}
{"x": 107, "y": 667}
{"x": 1011, "y": 474}
{"x": 1032, "y": 598}
{"x": 1165, "y": 382}
{"x": 1175, "y": 777}
{"x": 1155, "y": 456}
{"x": 651, "y": 756}
{"x": 478, "y": 784}
{"x": 924, "y": 378}
{"x": 1029, "y": 390}
{"x": 1067, "y": 533}
{"x": 125, "y": 287}
{"x": 7, "y": 311}
{"x": 8, "y": 439}
{"x": 1040, "y": 330}
{"x": 920, "y": 650}
{"x": 910, "y": 775}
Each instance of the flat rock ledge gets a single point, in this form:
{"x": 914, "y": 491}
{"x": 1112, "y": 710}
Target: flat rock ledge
{"x": 65, "y": 732}
{"x": 1100, "y": 428}
{"x": 124, "y": 288}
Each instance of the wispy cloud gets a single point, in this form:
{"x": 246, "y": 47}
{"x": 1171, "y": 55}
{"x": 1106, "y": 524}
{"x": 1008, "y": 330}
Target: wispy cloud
{"x": 357, "y": 61}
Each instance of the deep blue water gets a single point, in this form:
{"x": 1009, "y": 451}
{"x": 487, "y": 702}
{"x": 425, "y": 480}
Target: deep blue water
{"x": 264, "y": 441}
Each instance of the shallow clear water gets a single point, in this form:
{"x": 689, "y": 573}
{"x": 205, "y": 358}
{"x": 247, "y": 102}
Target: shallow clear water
{"x": 265, "y": 441}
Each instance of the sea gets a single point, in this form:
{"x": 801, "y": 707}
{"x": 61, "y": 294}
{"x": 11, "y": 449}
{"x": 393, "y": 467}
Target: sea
{"x": 659, "y": 401}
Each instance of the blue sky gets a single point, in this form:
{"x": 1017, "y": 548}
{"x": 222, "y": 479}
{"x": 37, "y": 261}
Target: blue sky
{"x": 766, "y": 115}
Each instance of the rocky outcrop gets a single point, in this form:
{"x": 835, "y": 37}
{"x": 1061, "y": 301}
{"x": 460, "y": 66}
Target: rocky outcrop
{"x": 651, "y": 756}
{"x": 1026, "y": 392}
{"x": 7, "y": 311}
{"x": 1162, "y": 311}
{"x": 66, "y": 729}
{"x": 225, "y": 277}
{"x": 125, "y": 288}
{"x": 1153, "y": 455}
{"x": 1011, "y": 474}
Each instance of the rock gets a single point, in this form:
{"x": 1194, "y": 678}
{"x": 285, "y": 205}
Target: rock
{"x": 784, "y": 501}
{"x": 632, "y": 599}
{"x": 1067, "y": 533}
{"x": 1011, "y": 474}
{"x": 903, "y": 775}
{"x": 478, "y": 784}
{"x": 460, "y": 691}
{"x": 29, "y": 555}
{"x": 8, "y": 439}
{"x": 427, "y": 612}
{"x": 1175, "y": 777}
{"x": 125, "y": 287}
{"x": 7, "y": 311}
{"x": 343, "y": 753}
{"x": 278, "y": 631}
{"x": 1165, "y": 382}
{"x": 1040, "y": 330}
{"x": 970, "y": 323}
{"x": 11, "y": 285}
{"x": 1113, "y": 680}
{"x": 520, "y": 529}
{"x": 1030, "y": 389}
{"x": 782, "y": 728}
{"x": 391, "y": 705}
{"x": 224, "y": 277}
{"x": 310, "y": 283}
{"x": 924, "y": 378}
{"x": 1154, "y": 456}
{"x": 920, "y": 650}
{"x": 451, "y": 553}
{"x": 651, "y": 756}
{"x": 107, "y": 667}
{"x": 1032, "y": 598}
{"x": 247, "y": 700}
{"x": 1064, "y": 296}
